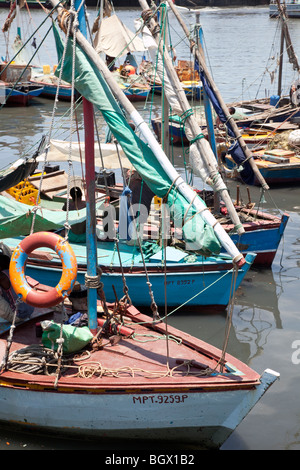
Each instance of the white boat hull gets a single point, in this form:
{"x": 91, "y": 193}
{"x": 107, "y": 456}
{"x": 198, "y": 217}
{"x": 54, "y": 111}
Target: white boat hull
{"x": 198, "y": 417}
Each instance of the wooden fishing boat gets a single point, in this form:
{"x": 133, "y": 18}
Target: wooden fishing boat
{"x": 277, "y": 166}
{"x": 195, "y": 395}
{"x": 192, "y": 280}
{"x": 18, "y": 95}
{"x": 135, "y": 92}
{"x": 189, "y": 79}
{"x": 49, "y": 84}
{"x": 14, "y": 92}
{"x": 263, "y": 111}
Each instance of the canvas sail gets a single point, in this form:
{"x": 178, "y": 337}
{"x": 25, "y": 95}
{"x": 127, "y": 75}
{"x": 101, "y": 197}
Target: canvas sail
{"x": 246, "y": 172}
{"x": 114, "y": 39}
{"x": 108, "y": 155}
{"x": 196, "y": 154}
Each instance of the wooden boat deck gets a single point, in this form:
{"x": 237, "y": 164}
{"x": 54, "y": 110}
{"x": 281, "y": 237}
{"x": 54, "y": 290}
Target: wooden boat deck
{"x": 134, "y": 364}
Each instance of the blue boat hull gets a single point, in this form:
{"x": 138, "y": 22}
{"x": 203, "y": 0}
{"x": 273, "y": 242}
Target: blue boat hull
{"x": 49, "y": 91}
{"x": 136, "y": 94}
{"x": 263, "y": 241}
{"x": 64, "y": 93}
{"x": 205, "y": 284}
{"x": 279, "y": 174}
{"x": 21, "y": 96}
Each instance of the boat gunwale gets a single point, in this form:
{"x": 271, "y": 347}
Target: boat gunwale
{"x": 243, "y": 378}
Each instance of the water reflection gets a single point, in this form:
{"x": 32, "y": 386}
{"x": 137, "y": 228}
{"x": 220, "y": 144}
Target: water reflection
{"x": 256, "y": 312}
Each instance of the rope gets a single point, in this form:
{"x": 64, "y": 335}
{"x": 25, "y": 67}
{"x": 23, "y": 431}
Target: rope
{"x": 229, "y": 318}
{"x": 125, "y": 287}
{"x": 34, "y": 359}
{"x": 75, "y": 19}
{"x": 198, "y": 137}
{"x": 60, "y": 342}
{"x": 35, "y": 208}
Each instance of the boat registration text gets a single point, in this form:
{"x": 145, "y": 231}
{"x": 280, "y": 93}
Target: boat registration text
{"x": 143, "y": 399}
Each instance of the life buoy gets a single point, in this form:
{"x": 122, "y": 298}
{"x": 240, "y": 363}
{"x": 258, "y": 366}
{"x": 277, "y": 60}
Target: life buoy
{"x": 18, "y": 262}
{"x": 130, "y": 69}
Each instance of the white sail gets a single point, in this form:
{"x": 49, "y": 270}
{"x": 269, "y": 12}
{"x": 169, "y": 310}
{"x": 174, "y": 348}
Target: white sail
{"x": 114, "y": 39}
{"x": 108, "y": 153}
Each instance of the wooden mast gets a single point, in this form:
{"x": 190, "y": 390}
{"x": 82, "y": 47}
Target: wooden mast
{"x": 91, "y": 242}
{"x": 285, "y": 37}
{"x": 192, "y": 123}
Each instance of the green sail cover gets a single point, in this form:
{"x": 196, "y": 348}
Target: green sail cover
{"x": 90, "y": 83}
{"x": 16, "y": 218}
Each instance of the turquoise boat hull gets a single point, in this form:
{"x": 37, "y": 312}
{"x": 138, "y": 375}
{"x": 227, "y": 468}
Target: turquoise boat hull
{"x": 193, "y": 280}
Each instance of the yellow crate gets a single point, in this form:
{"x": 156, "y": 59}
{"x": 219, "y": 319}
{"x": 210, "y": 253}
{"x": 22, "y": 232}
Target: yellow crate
{"x": 26, "y": 195}
{"x": 157, "y": 202}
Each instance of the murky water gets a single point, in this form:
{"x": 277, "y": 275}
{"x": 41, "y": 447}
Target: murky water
{"x": 266, "y": 323}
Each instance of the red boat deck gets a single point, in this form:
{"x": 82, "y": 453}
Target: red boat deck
{"x": 133, "y": 364}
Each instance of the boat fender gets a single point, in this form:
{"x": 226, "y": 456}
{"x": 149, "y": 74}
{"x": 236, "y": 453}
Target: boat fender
{"x": 17, "y": 269}
{"x": 129, "y": 69}
{"x": 295, "y": 93}
{"x": 294, "y": 138}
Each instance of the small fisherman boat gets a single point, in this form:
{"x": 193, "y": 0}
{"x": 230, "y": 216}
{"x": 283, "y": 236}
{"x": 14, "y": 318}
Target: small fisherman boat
{"x": 278, "y": 160}
{"x": 14, "y": 92}
{"x": 189, "y": 79}
{"x": 135, "y": 90}
{"x": 174, "y": 397}
{"x": 49, "y": 84}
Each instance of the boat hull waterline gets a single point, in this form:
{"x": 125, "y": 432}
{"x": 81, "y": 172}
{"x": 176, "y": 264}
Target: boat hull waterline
{"x": 203, "y": 284}
{"x": 188, "y": 405}
{"x": 187, "y": 417}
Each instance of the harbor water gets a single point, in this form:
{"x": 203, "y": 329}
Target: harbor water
{"x": 240, "y": 50}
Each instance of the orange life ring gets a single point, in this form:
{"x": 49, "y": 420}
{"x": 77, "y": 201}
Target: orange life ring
{"x": 18, "y": 262}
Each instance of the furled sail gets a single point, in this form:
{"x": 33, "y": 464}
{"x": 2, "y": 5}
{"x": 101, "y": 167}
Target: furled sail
{"x": 240, "y": 149}
{"x": 202, "y": 158}
{"x": 236, "y": 151}
{"x": 90, "y": 83}
{"x": 196, "y": 160}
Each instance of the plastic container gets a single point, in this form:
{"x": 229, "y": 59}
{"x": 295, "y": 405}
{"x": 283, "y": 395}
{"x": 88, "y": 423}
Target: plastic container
{"x": 274, "y": 99}
{"x": 46, "y": 69}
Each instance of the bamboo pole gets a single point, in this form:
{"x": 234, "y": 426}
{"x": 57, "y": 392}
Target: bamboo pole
{"x": 192, "y": 122}
{"x": 224, "y": 107}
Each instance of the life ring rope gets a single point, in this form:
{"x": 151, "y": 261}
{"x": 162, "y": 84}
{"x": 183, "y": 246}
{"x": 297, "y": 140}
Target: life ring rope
{"x": 18, "y": 262}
